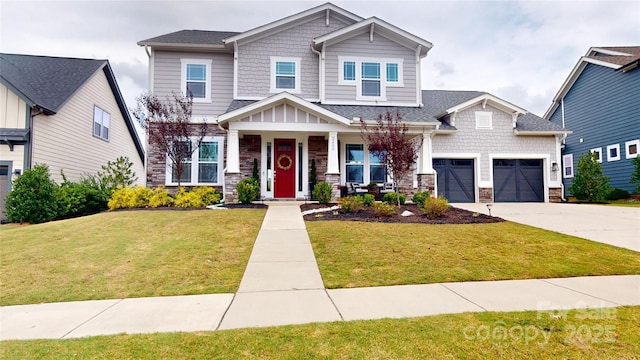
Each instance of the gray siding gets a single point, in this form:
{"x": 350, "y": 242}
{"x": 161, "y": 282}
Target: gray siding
{"x": 359, "y": 46}
{"x": 603, "y": 108}
{"x": 498, "y": 140}
{"x": 167, "y": 77}
{"x": 254, "y": 64}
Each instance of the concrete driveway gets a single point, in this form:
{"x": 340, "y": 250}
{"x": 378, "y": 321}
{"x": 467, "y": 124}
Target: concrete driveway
{"x": 613, "y": 225}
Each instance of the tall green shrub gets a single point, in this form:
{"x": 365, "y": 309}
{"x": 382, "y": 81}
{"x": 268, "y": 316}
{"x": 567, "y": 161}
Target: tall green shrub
{"x": 635, "y": 175}
{"x": 248, "y": 190}
{"x": 322, "y": 192}
{"x": 589, "y": 184}
{"x": 33, "y": 197}
{"x": 117, "y": 173}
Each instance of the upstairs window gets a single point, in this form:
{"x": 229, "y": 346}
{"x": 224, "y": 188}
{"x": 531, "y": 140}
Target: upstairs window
{"x": 349, "y": 71}
{"x": 196, "y": 79}
{"x": 613, "y": 152}
{"x": 101, "y": 123}
{"x": 370, "y": 79}
{"x": 392, "y": 72}
{"x": 285, "y": 74}
{"x": 370, "y": 76}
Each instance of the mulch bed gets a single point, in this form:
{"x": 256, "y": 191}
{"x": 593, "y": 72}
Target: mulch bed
{"x": 453, "y": 216}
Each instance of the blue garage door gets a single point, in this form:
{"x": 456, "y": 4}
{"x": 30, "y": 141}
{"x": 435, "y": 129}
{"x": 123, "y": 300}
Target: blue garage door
{"x": 455, "y": 179}
{"x": 518, "y": 180}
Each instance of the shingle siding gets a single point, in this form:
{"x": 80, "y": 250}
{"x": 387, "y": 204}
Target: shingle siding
{"x": 603, "y": 108}
{"x": 254, "y": 64}
{"x": 168, "y": 72}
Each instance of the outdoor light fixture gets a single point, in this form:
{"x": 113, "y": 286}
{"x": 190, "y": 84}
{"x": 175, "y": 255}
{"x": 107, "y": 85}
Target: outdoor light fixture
{"x": 489, "y": 207}
{"x": 554, "y": 166}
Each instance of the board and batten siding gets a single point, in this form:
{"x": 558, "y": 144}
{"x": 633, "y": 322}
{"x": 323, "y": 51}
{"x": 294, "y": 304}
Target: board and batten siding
{"x": 168, "y": 72}
{"x": 254, "y": 58}
{"x": 381, "y": 48}
{"x": 13, "y": 115}
{"x": 65, "y": 141}
{"x": 602, "y": 108}
{"x": 501, "y": 139}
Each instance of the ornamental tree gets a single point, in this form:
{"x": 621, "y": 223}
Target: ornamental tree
{"x": 589, "y": 183}
{"x": 387, "y": 140}
{"x": 169, "y": 127}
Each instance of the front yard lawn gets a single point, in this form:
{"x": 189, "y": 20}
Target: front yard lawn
{"x": 127, "y": 254}
{"x": 359, "y": 254}
{"x": 577, "y": 334}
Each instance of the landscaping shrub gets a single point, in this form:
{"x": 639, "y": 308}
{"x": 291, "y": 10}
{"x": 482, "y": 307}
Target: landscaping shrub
{"x": 384, "y": 209}
{"x": 617, "y": 194}
{"x": 369, "y": 199}
{"x": 82, "y": 198}
{"x": 635, "y": 175}
{"x": 33, "y": 197}
{"x": 420, "y": 197}
{"x": 160, "y": 198}
{"x": 351, "y": 204}
{"x": 116, "y": 174}
{"x": 130, "y": 197}
{"x": 589, "y": 184}
{"x": 392, "y": 198}
{"x": 435, "y": 207}
{"x": 208, "y": 194}
{"x": 188, "y": 199}
{"x": 248, "y": 190}
{"x": 322, "y": 192}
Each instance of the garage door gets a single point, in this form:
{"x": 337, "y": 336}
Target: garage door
{"x": 455, "y": 179}
{"x": 518, "y": 180}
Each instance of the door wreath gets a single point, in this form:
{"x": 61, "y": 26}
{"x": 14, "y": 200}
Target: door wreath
{"x": 286, "y": 164}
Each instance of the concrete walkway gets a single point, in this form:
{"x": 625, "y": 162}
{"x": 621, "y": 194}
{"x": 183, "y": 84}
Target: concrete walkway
{"x": 282, "y": 285}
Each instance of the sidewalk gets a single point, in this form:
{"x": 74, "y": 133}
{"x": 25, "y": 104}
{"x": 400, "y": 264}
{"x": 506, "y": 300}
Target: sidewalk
{"x": 282, "y": 285}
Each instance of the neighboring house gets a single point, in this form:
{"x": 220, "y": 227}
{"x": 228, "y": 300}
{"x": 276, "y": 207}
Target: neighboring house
{"x": 295, "y": 89}
{"x": 65, "y": 113}
{"x": 600, "y": 103}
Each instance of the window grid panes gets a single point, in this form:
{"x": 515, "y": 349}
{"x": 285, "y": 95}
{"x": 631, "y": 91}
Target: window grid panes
{"x": 285, "y": 75}
{"x": 349, "y": 70}
{"x": 392, "y": 72}
{"x": 355, "y": 163}
{"x": 567, "y": 165}
{"x": 196, "y": 80}
{"x": 208, "y": 163}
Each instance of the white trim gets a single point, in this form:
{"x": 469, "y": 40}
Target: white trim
{"x": 235, "y": 69}
{"x": 484, "y": 120}
{"x": 299, "y": 138}
{"x": 476, "y": 157}
{"x": 372, "y": 102}
{"x": 598, "y": 151}
{"x": 496, "y": 101}
{"x": 183, "y": 78}
{"x": 297, "y": 77}
{"x": 565, "y": 166}
{"x": 628, "y": 144}
{"x": 595, "y": 50}
{"x": 611, "y": 147}
{"x": 194, "y": 169}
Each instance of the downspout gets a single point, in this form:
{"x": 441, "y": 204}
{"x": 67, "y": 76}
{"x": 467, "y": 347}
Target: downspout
{"x": 320, "y": 80}
{"x": 30, "y": 147}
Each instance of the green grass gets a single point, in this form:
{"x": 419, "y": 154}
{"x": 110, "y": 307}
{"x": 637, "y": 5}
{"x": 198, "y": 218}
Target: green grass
{"x": 625, "y": 203}
{"x": 352, "y": 254}
{"x": 127, "y": 254}
{"x": 608, "y": 334}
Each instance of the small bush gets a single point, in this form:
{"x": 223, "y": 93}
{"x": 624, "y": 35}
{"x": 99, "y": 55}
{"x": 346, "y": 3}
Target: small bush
{"x": 322, "y": 192}
{"x": 248, "y": 190}
{"x": 33, "y": 197}
{"x": 617, "y": 194}
{"x": 208, "y": 194}
{"x": 369, "y": 199}
{"x": 130, "y": 197}
{"x": 435, "y": 208}
{"x": 384, "y": 209}
{"x": 80, "y": 199}
{"x": 392, "y": 198}
{"x": 160, "y": 198}
{"x": 635, "y": 174}
{"x": 116, "y": 174}
{"x": 351, "y": 204}
{"x": 188, "y": 199}
{"x": 420, "y": 197}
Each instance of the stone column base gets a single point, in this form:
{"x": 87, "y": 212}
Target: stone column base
{"x": 230, "y": 182}
{"x": 485, "y": 195}
{"x": 334, "y": 180}
{"x": 426, "y": 182}
{"x": 555, "y": 194}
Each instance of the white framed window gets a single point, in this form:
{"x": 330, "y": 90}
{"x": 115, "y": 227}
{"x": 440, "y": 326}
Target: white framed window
{"x": 632, "y": 149}
{"x": 285, "y": 74}
{"x": 613, "y": 152}
{"x": 484, "y": 120}
{"x": 101, "y": 123}
{"x": 370, "y": 76}
{"x": 355, "y": 163}
{"x": 377, "y": 170}
{"x": 196, "y": 79}
{"x": 567, "y": 166}
{"x": 203, "y": 167}
{"x": 598, "y": 152}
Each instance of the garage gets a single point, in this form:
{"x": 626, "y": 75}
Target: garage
{"x": 456, "y": 179}
{"x": 518, "y": 180}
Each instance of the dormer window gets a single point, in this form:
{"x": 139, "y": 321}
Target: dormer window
{"x": 285, "y": 74}
{"x": 371, "y": 77}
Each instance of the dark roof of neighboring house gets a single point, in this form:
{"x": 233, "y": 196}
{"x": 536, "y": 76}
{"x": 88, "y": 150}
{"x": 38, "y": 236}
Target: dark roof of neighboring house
{"x": 435, "y": 103}
{"x": 47, "y": 83}
{"x": 633, "y": 51}
{"x": 199, "y": 37}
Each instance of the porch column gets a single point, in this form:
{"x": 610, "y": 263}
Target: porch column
{"x": 332, "y": 154}
{"x": 233, "y": 152}
{"x": 425, "y": 164}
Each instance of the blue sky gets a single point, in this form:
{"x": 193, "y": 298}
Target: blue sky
{"x": 518, "y": 50}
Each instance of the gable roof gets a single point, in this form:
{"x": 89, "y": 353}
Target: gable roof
{"x": 375, "y": 25}
{"x": 618, "y": 58}
{"x": 48, "y": 83}
{"x": 293, "y": 20}
{"x": 190, "y": 39}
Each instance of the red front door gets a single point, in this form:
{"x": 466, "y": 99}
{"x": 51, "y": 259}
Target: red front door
{"x": 285, "y": 168}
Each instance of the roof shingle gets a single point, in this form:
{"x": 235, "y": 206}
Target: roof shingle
{"x": 194, "y": 37}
